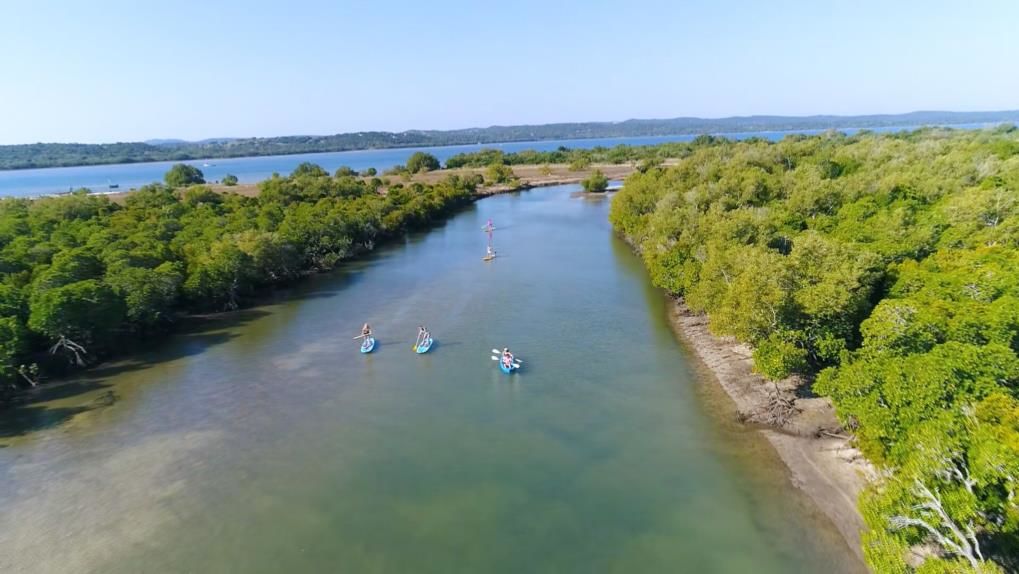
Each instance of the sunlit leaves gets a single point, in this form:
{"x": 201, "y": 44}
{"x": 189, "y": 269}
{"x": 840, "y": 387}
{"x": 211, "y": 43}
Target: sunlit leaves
{"x": 890, "y": 262}
{"x": 82, "y": 275}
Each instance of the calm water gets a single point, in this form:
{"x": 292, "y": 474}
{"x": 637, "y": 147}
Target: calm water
{"x": 267, "y": 443}
{"x": 33, "y": 182}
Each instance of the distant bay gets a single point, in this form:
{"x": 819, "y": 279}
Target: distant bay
{"x": 100, "y": 178}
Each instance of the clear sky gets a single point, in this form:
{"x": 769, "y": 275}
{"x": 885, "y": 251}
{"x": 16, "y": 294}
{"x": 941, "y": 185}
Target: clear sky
{"x": 111, "y": 70}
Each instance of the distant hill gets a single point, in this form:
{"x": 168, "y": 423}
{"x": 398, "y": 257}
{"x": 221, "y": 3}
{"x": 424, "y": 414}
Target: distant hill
{"x": 177, "y": 142}
{"x": 61, "y": 154}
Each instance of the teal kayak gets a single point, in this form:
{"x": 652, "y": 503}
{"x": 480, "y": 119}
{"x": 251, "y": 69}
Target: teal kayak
{"x": 508, "y": 369}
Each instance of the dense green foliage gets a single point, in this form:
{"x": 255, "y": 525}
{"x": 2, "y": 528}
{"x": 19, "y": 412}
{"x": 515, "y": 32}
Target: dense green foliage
{"x": 82, "y": 275}
{"x": 578, "y": 158}
{"x": 499, "y": 173}
{"x": 890, "y": 265}
{"x": 420, "y": 161}
{"x": 54, "y": 154}
{"x": 182, "y": 174}
{"x": 229, "y": 179}
{"x": 596, "y": 183}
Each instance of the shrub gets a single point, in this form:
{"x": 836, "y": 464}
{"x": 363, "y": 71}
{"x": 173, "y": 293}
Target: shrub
{"x": 596, "y": 183}
{"x": 421, "y": 161}
{"x": 182, "y": 174}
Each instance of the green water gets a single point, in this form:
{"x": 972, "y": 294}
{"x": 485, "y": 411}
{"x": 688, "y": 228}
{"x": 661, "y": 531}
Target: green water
{"x": 265, "y": 442}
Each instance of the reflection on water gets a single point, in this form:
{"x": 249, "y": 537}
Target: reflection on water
{"x": 264, "y": 441}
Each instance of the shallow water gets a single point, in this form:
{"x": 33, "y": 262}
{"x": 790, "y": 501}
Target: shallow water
{"x": 265, "y": 442}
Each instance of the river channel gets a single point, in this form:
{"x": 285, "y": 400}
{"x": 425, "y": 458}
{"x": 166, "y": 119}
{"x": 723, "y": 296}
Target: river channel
{"x": 263, "y": 441}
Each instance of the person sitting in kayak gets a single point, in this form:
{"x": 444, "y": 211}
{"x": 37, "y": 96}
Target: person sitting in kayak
{"x": 507, "y": 358}
{"x": 490, "y": 252}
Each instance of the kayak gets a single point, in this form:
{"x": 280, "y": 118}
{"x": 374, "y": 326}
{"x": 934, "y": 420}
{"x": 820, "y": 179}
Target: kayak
{"x": 368, "y": 345}
{"x": 509, "y": 369}
{"x": 513, "y": 366}
{"x": 424, "y": 347}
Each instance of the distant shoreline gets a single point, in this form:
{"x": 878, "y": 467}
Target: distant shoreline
{"x": 530, "y": 176}
{"x": 46, "y": 182}
{"x": 56, "y": 155}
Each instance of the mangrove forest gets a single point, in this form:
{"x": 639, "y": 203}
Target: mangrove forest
{"x": 884, "y": 271}
{"x": 82, "y": 276}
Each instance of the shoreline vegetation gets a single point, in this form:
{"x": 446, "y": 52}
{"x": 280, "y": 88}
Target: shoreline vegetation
{"x": 856, "y": 296}
{"x": 44, "y": 155}
{"x": 85, "y": 277}
{"x": 522, "y": 177}
{"x": 89, "y": 277}
{"x": 875, "y": 273}
{"x": 811, "y": 443}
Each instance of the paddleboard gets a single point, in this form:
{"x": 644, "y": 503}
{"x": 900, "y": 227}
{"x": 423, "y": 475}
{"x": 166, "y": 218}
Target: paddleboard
{"x": 368, "y": 345}
{"x": 424, "y": 347}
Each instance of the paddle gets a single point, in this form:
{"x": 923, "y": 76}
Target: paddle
{"x": 420, "y": 340}
{"x": 498, "y": 352}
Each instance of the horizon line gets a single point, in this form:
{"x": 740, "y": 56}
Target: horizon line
{"x": 163, "y": 140}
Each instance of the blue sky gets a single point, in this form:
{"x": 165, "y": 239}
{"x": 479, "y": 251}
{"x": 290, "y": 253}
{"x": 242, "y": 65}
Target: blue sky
{"x": 104, "y": 71}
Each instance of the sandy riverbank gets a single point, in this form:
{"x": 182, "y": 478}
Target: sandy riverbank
{"x": 529, "y": 175}
{"x": 821, "y": 463}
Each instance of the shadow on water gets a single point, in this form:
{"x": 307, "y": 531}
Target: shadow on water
{"x": 331, "y": 283}
{"x": 436, "y": 344}
{"x": 322, "y": 285}
{"x": 194, "y": 336}
{"x": 31, "y": 411}
{"x": 29, "y": 415}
